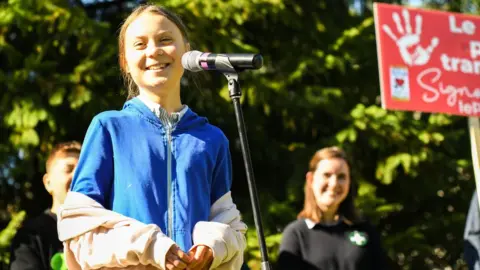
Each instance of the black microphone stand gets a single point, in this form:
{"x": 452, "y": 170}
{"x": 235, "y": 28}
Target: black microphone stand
{"x": 224, "y": 66}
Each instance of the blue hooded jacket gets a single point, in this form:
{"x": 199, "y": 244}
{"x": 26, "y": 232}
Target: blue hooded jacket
{"x": 170, "y": 176}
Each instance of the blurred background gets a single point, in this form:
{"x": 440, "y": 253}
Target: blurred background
{"x": 319, "y": 86}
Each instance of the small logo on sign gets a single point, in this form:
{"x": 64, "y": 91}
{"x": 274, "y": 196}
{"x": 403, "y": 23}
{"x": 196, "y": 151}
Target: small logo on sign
{"x": 399, "y": 84}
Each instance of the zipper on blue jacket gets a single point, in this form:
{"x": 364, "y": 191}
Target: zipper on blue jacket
{"x": 169, "y": 181}
{"x": 169, "y": 124}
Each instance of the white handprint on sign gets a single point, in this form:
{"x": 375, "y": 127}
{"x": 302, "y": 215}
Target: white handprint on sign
{"x": 407, "y": 39}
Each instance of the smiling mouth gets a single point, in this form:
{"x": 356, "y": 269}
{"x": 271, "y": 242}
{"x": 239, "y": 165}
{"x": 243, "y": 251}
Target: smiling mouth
{"x": 333, "y": 193}
{"x": 158, "y": 67}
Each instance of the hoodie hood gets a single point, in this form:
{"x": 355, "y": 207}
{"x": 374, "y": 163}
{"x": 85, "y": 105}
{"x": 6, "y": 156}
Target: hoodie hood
{"x": 188, "y": 121}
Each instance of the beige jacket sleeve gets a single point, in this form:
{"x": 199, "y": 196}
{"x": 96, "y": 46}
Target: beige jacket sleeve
{"x": 96, "y": 238}
{"x": 224, "y": 233}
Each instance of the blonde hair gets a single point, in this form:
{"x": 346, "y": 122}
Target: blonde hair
{"x": 63, "y": 149}
{"x": 132, "y": 88}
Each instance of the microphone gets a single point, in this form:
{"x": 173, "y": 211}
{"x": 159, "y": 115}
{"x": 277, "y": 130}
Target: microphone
{"x": 195, "y": 61}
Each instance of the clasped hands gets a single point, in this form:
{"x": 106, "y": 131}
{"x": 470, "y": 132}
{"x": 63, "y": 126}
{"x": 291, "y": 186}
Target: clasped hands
{"x": 198, "y": 258}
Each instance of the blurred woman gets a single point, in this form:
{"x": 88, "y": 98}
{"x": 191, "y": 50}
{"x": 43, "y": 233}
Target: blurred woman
{"x": 329, "y": 233}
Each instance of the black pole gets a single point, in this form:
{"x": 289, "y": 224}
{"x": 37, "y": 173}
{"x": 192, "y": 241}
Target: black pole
{"x": 223, "y": 65}
{"x": 235, "y": 94}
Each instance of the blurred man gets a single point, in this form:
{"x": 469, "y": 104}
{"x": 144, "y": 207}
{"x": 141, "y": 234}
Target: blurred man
{"x": 36, "y": 245}
{"x": 472, "y": 235}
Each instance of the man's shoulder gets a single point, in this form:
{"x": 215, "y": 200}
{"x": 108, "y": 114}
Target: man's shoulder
{"x": 35, "y": 243}
{"x": 39, "y": 224}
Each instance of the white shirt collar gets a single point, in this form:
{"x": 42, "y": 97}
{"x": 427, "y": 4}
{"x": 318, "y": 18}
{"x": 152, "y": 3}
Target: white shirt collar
{"x": 311, "y": 224}
{"x": 159, "y": 111}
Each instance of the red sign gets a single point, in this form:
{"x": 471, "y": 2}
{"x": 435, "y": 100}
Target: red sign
{"x": 429, "y": 61}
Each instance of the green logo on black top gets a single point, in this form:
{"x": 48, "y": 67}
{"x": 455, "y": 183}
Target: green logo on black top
{"x": 58, "y": 262}
{"x": 358, "y": 238}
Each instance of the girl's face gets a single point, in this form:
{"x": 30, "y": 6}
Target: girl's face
{"x": 330, "y": 183}
{"x": 153, "y": 52}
